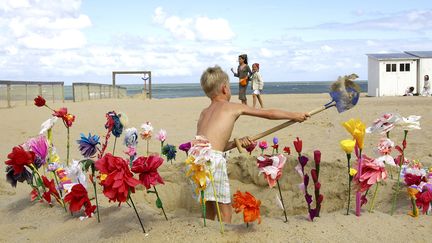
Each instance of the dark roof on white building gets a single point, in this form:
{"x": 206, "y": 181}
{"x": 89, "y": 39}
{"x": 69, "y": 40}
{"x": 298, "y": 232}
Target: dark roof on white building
{"x": 392, "y": 56}
{"x": 421, "y": 54}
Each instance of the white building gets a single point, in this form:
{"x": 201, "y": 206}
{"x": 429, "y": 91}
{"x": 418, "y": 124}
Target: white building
{"x": 391, "y": 74}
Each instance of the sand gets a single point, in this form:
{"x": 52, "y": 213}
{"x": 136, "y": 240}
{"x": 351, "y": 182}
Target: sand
{"x": 22, "y": 220}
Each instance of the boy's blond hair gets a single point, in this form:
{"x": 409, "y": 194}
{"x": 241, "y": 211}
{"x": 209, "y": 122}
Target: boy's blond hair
{"x": 212, "y": 79}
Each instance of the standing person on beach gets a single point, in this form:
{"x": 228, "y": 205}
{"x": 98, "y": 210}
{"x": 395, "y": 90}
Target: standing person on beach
{"x": 426, "y": 86}
{"x": 257, "y": 85}
{"x": 243, "y": 72}
{"x": 214, "y": 128}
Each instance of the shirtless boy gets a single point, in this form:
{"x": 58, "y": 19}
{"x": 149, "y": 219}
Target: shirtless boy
{"x": 216, "y": 123}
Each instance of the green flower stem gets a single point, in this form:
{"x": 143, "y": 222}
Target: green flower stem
{"x": 203, "y": 207}
{"x": 60, "y": 191}
{"x": 115, "y": 141}
{"x": 157, "y": 195}
{"x": 283, "y": 205}
{"x": 373, "y": 198}
{"x": 136, "y": 212}
{"x": 148, "y": 141}
{"x": 97, "y": 203}
{"x": 402, "y": 160}
{"x": 349, "y": 183}
{"x": 414, "y": 207}
{"x": 68, "y": 146}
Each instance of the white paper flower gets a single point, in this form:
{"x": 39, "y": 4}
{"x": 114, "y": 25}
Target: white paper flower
{"x": 409, "y": 123}
{"x": 147, "y": 130}
{"x": 384, "y": 124}
{"x": 76, "y": 174}
{"x": 385, "y": 159}
{"x": 131, "y": 137}
{"x": 48, "y": 124}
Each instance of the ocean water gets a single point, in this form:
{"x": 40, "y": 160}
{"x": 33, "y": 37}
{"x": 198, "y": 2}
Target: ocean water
{"x": 161, "y": 91}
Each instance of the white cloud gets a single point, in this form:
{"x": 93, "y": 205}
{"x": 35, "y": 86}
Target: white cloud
{"x": 197, "y": 28}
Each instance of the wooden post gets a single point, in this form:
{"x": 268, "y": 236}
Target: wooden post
{"x": 8, "y": 95}
{"x": 73, "y": 93}
{"x": 63, "y": 98}
{"x": 26, "y": 94}
{"x": 150, "y": 88}
{"x": 100, "y": 91}
{"x": 52, "y": 87}
{"x": 88, "y": 91}
{"x": 113, "y": 85}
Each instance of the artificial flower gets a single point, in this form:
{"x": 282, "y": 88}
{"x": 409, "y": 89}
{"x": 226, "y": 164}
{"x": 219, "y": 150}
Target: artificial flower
{"x": 249, "y": 205}
{"x": 39, "y": 101}
{"x": 67, "y": 118}
{"x": 385, "y": 159}
{"x": 124, "y": 120}
{"x": 275, "y": 145}
{"x": 298, "y": 145}
{"x": 185, "y": 147}
{"x": 169, "y": 151}
{"x": 317, "y": 157}
{"x": 131, "y": 151}
{"x": 13, "y": 178}
{"x": 198, "y": 174}
{"x": 357, "y": 129}
{"x": 352, "y": 172}
{"x": 251, "y": 147}
{"x": 52, "y": 167}
{"x": 48, "y": 124}
{"x": 263, "y": 145}
{"x": 65, "y": 182}
{"x": 287, "y": 150}
{"x": 88, "y": 145}
{"x": 384, "y": 124}
{"x": 423, "y": 200}
{"x": 371, "y": 173}
{"x": 131, "y": 137}
{"x": 162, "y": 135}
{"x": 201, "y": 150}
{"x": 77, "y": 198}
{"x": 275, "y": 140}
{"x": 119, "y": 181}
{"x": 271, "y": 167}
{"x": 19, "y": 158}
{"x": 384, "y": 146}
{"x": 347, "y": 145}
{"x": 147, "y": 130}
{"x": 147, "y": 167}
{"x": 75, "y": 173}
{"x": 409, "y": 123}
{"x": 39, "y": 145}
{"x": 50, "y": 185}
{"x": 113, "y": 124}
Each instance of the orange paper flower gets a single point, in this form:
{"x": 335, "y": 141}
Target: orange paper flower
{"x": 250, "y": 206}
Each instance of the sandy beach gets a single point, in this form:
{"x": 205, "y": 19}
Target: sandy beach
{"x": 23, "y": 220}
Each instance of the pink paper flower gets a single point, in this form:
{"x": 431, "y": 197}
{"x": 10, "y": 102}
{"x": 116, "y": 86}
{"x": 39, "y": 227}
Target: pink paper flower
{"x": 271, "y": 167}
{"x": 263, "y": 145}
{"x": 162, "y": 135}
{"x": 372, "y": 173}
{"x": 384, "y": 124}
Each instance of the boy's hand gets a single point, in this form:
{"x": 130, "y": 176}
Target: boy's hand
{"x": 300, "y": 116}
{"x": 245, "y": 141}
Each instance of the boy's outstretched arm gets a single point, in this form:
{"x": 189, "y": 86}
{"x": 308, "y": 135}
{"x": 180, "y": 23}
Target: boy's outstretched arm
{"x": 274, "y": 114}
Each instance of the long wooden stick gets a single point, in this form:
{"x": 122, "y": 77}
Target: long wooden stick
{"x": 236, "y": 142}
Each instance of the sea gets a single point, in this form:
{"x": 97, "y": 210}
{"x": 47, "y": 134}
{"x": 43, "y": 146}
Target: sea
{"x": 163, "y": 91}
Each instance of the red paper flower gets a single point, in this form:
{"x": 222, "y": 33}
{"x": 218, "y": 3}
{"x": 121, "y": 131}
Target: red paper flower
{"x": 423, "y": 200}
{"x": 317, "y": 157}
{"x": 77, "y": 198}
{"x": 250, "y": 206}
{"x": 67, "y": 118}
{"x": 147, "y": 169}
{"x": 19, "y": 158}
{"x": 412, "y": 179}
{"x": 298, "y": 144}
{"x": 50, "y": 185}
{"x": 119, "y": 179}
{"x": 39, "y": 101}
{"x": 287, "y": 150}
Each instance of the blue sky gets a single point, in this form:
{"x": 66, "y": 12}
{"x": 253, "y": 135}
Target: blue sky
{"x": 83, "y": 41}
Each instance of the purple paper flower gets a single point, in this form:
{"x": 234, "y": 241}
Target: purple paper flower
{"x": 52, "y": 167}
{"x": 87, "y": 145}
{"x": 39, "y": 145}
{"x": 303, "y": 161}
{"x": 308, "y": 198}
{"x": 275, "y": 140}
{"x": 312, "y": 214}
{"x": 185, "y": 146}
{"x": 306, "y": 180}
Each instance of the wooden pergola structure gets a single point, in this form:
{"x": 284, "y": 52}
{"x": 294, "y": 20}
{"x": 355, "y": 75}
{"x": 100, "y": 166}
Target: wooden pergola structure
{"x": 148, "y": 73}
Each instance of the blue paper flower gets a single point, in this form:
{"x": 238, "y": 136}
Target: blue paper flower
{"x": 87, "y": 145}
{"x": 169, "y": 151}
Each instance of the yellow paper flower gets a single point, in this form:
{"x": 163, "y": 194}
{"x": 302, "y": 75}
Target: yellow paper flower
{"x": 357, "y": 129}
{"x": 352, "y": 172}
{"x": 347, "y": 145}
{"x": 412, "y": 192}
{"x": 198, "y": 175}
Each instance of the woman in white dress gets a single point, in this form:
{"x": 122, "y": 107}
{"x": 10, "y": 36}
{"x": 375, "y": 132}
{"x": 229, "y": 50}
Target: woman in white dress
{"x": 257, "y": 85}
